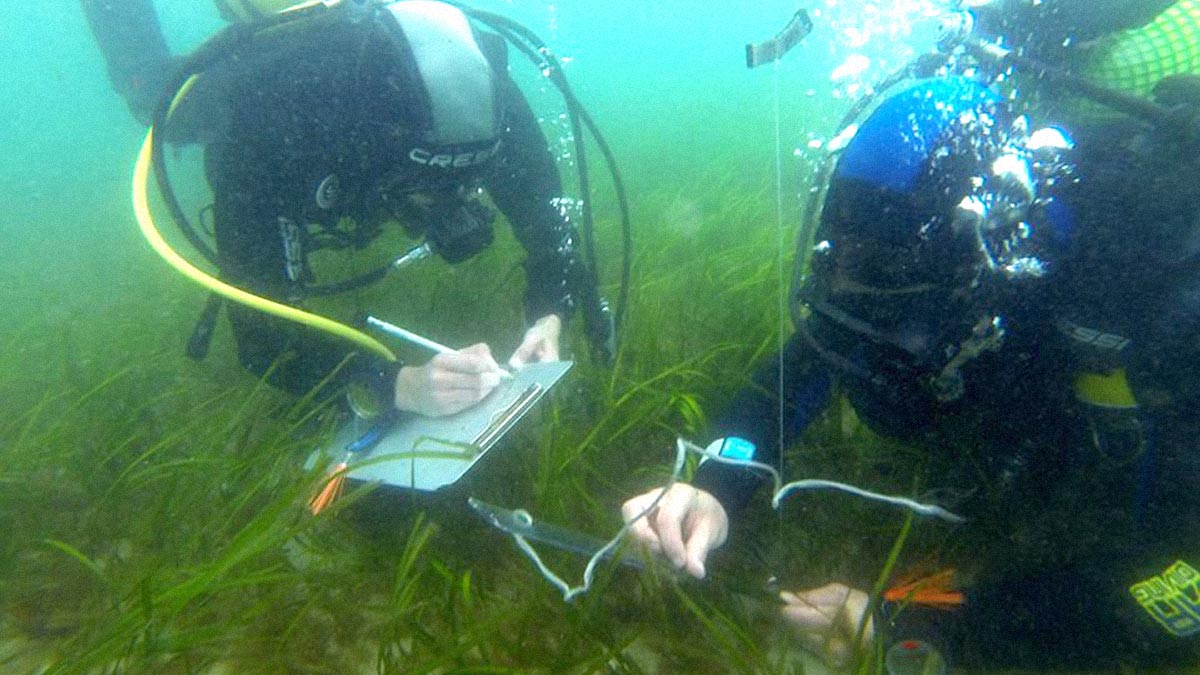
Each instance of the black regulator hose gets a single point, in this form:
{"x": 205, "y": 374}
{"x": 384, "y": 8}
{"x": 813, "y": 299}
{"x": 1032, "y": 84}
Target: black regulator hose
{"x": 529, "y": 44}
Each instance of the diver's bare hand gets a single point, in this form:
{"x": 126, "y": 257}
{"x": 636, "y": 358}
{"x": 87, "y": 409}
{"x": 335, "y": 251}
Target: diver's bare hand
{"x": 449, "y": 383}
{"x": 685, "y": 526}
{"x": 827, "y": 621}
{"x": 540, "y": 343}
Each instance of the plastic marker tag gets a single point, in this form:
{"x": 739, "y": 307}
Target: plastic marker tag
{"x": 738, "y": 448}
{"x": 731, "y": 447}
{"x": 772, "y": 50}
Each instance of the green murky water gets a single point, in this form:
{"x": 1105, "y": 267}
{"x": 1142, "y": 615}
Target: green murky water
{"x": 152, "y": 508}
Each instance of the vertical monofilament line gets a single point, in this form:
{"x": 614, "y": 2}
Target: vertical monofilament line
{"x": 780, "y": 257}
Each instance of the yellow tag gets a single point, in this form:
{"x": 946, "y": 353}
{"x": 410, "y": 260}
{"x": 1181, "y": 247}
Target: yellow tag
{"x": 1172, "y": 598}
{"x": 1105, "y": 390}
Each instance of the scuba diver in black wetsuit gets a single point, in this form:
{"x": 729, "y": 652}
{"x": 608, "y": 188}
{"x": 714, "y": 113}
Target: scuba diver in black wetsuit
{"x": 379, "y": 111}
{"x": 407, "y": 113}
{"x": 1024, "y": 308}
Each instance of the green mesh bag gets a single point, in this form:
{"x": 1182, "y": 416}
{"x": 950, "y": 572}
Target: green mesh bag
{"x": 1135, "y": 60}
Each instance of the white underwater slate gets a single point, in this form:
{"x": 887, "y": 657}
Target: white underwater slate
{"x": 426, "y": 453}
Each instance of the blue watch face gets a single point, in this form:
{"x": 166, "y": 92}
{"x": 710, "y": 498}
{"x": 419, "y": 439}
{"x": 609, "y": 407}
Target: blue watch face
{"x": 737, "y": 448}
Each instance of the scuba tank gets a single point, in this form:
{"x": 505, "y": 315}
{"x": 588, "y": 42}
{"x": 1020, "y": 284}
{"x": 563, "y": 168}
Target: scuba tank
{"x": 1101, "y": 388}
{"x": 250, "y": 10}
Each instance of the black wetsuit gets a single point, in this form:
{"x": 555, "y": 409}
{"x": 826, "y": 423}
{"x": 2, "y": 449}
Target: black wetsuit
{"x": 1061, "y": 524}
{"x": 322, "y": 133}
{"x": 1058, "y": 529}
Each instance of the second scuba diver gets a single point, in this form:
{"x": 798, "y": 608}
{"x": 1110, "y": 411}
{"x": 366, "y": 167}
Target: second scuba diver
{"x": 1023, "y": 309}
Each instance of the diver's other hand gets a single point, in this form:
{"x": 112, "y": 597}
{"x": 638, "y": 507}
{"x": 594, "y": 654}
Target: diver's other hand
{"x": 540, "y": 343}
{"x": 685, "y": 526}
{"x": 449, "y": 383}
{"x": 827, "y": 621}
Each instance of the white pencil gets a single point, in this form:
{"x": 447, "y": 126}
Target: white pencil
{"x": 397, "y": 331}
{"x": 420, "y": 341}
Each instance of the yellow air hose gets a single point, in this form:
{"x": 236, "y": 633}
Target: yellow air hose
{"x": 1135, "y": 60}
{"x": 141, "y": 207}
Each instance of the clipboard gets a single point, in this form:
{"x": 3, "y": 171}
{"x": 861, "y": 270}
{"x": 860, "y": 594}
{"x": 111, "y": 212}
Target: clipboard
{"x": 426, "y": 453}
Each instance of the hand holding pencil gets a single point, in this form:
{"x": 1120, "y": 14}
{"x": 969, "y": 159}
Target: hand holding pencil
{"x": 451, "y": 382}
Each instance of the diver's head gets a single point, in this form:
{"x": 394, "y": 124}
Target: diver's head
{"x": 937, "y": 217}
{"x": 446, "y": 119}
{"x": 452, "y": 122}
